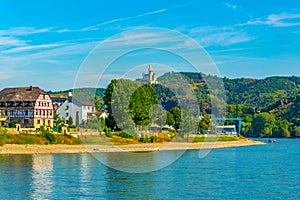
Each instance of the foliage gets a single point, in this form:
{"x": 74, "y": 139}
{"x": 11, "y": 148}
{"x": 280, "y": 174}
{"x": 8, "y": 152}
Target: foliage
{"x": 41, "y": 139}
{"x": 12, "y": 124}
{"x": 107, "y": 132}
{"x": 141, "y": 102}
{"x": 263, "y": 124}
{"x": 204, "y": 123}
{"x": 176, "y": 113}
{"x": 110, "y": 122}
{"x": 99, "y": 103}
{"x": 71, "y": 122}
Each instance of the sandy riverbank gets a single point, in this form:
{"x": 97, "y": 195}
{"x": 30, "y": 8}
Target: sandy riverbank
{"x": 59, "y": 149}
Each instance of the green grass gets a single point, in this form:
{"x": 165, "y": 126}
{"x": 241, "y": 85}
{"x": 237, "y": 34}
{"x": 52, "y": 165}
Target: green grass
{"x": 6, "y": 138}
{"x": 213, "y": 138}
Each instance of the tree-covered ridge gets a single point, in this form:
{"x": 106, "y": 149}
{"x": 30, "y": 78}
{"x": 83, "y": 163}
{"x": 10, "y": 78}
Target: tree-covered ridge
{"x": 80, "y": 93}
{"x": 274, "y": 101}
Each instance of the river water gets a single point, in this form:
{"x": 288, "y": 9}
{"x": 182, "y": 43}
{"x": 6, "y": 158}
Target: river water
{"x": 270, "y": 171}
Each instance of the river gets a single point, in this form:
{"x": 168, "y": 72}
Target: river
{"x": 270, "y": 171}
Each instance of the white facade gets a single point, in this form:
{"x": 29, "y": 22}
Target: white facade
{"x": 76, "y": 109}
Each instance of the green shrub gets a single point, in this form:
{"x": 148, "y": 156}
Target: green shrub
{"x": 50, "y": 137}
{"x": 144, "y": 138}
{"x": 12, "y": 124}
{"x": 107, "y": 131}
{"x": 125, "y": 135}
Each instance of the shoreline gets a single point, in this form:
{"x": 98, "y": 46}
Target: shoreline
{"x": 77, "y": 149}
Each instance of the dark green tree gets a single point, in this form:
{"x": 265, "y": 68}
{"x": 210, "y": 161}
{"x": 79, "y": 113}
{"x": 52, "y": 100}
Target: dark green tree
{"x": 281, "y": 129}
{"x": 176, "y": 112}
{"x": 141, "y": 101}
{"x": 110, "y": 122}
{"x": 71, "y": 122}
{"x": 170, "y": 119}
{"x": 204, "y": 123}
{"x": 262, "y": 125}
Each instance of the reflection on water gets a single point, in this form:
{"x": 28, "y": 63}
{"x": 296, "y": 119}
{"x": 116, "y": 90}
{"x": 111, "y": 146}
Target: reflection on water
{"x": 138, "y": 162}
{"x": 42, "y": 176}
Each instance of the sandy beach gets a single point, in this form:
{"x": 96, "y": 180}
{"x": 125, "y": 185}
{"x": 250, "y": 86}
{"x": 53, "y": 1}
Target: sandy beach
{"x": 64, "y": 149}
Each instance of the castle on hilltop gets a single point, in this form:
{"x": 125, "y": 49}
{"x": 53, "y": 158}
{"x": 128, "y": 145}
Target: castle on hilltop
{"x": 149, "y": 78}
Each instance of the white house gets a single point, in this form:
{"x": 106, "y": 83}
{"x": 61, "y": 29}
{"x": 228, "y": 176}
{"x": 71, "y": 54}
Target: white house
{"x": 77, "y": 109}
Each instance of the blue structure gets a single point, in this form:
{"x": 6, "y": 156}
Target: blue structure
{"x": 227, "y": 119}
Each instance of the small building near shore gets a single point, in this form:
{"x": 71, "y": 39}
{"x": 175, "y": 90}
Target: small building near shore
{"x": 226, "y": 129}
{"x": 30, "y": 107}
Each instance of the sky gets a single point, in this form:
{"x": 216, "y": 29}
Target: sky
{"x": 48, "y": 43}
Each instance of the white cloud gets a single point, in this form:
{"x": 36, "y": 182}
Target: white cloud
{"x": 219, "y": 36}
{"x": 11, "y": 41}
{"x": 232, "y": 6}
{"x": 277, "y": 20}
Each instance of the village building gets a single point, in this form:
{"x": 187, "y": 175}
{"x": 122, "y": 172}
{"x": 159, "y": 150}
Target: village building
{"x": 30, "y": 107}
{"x": 78, "y": 109}
{"x": 149, "y": 78}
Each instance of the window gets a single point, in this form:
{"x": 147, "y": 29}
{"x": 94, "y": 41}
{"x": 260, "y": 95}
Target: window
{"x": 38, "y": 121}
{"x": 67, "y": 114}
{"x": 49, "y": 122}
{"x": 67, "y": 107}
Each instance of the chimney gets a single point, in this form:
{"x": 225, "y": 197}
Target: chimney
{"x": 30, "y": 88}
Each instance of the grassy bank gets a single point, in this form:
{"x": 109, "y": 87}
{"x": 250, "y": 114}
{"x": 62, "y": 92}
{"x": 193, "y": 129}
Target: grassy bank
{"x": 40, "y": 139}
{"x": 117, "y": 138}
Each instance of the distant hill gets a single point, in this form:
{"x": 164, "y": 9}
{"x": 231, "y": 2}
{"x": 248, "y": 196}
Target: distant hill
{"x": 79, "y": 92}
{"x": 260, "y": 93}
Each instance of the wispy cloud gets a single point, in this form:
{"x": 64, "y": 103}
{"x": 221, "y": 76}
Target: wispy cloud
{"x": 219, "y": 36}
{"x": 277, "y": 20}
{"x": 96, "y": 27}
{"x": 32, "y": 47}
{"x": 17, "y": 31}
{"x": 8, "y": 41}
{"x": 229, "y": 5}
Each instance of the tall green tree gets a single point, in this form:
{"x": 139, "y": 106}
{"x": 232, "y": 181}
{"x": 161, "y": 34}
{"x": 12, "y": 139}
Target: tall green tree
{"x": 204, "y": 123}
{"x": 263, "y": 124}
{"x": 188, "y": 121}
{"x": 281, "y": 129}
{"x": 176, "y": 112}
{"x": 141, "y": 101}
{"x": 170, "y": 119}
{"x": 110, "y": 122}
{"x": 120, "y": 103}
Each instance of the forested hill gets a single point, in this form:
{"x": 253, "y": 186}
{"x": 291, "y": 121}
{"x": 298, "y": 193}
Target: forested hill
{"x": 259, "y": 93}
{"x": 79, "y": 92}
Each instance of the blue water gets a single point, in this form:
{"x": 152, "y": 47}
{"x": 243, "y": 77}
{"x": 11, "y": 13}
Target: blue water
{"x": 270, "y": 171}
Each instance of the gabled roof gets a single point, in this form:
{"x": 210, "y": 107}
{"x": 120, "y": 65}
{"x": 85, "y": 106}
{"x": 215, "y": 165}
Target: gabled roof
{"x": 21, "y": 94}
{"x": 83, "y": 102}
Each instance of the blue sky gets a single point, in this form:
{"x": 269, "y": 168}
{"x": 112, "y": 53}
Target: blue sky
{"x": 44, "y": 43}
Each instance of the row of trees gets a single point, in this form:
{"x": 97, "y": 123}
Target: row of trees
{"x": 132, "y": 105}
{"x": 267, "y": 125}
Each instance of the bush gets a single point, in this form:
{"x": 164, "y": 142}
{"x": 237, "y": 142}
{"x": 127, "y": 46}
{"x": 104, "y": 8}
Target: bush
{"x": 50, "y": 137}
{"x": 125, "y": 135}
{"x": 144, "y": 138}
{"x": 108, "y": 132}
{"x": 12, "y": 124}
